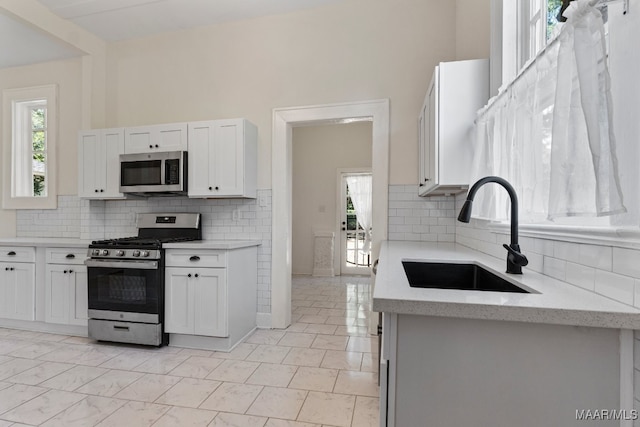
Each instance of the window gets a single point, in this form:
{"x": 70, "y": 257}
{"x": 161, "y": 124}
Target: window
{"x": 538, "y": 19}
{"x": 534, "y": 133}
{"x": 29, "y": 123}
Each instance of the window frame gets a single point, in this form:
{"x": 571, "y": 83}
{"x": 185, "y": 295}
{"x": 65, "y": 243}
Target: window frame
{"x": 11, "y": 157}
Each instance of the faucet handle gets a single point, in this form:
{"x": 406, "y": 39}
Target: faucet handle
{"x": 515, "y": 256}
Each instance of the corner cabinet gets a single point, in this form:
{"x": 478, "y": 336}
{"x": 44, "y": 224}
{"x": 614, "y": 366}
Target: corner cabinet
{"x": 445, "y": 125}
{"x": 222, "y": 159}
{"x": 210, "y": 296}
{"x": 99, "y": 163}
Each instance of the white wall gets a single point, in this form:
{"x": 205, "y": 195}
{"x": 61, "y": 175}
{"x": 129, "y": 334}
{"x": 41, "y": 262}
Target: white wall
{"x": 318, "y": 151}
{"x": 349, "y": 51}
{"x": 472, "y": 29}
{"x": 67, "y": 74}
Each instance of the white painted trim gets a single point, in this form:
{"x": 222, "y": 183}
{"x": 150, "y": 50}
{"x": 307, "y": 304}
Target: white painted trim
{"x": 283, "y": 120}
{"x": 263, "y": 320}
{"x": 626, "y": 375}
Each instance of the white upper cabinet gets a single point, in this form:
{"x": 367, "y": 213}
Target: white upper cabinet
{"x": 222, "y": 159}
{"x": 146, "y": 139}
{"x": 445, "y": 125}
{"x": 99, "y": 163}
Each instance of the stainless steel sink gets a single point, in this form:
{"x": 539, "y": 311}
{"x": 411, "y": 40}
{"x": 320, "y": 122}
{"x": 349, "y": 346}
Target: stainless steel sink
{"x": 468, "y": 277}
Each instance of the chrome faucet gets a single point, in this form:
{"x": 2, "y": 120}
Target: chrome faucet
{"x": 515, "y": 259}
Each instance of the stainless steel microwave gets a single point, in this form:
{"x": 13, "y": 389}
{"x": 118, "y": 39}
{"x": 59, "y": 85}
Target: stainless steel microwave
{"x": 154, "y": 174}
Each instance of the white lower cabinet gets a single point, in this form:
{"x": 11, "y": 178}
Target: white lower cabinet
{"x": 196, "y": 301}
{"x": 17, "y": 290}
{"x": 17, "y": 282}
{"x": 210, "y": 296}
{"x": 66, "y": 288}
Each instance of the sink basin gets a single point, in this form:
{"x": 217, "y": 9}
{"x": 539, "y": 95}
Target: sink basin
{"x": 468, "y": 277}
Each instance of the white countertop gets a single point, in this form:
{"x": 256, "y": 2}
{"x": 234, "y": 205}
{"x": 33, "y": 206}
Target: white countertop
{"x": 555, "y": 303}
{"x": 213, "y": 244}
{"x": 52, "y": 242}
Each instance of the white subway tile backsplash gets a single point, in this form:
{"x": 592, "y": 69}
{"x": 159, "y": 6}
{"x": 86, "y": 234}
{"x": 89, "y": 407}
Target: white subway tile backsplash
{"x": 554, "y": 267}
{"x": 615, "y": 286}
{"x": 581, "y": 275}
{"x": 414, "y": 218}
{"x": 626, "y": 261}
{"x": 600, "y": 257}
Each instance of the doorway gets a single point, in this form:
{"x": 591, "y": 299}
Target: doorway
{"x": 355, "y": 221}
{"x": 284, "y": 119}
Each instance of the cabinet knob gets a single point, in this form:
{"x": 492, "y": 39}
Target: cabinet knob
{"x": 102, "y": 190}
{"x": 421, "y": 185}
{"x": 196, "y": 274}
{"x": 150, "y": 146}
{"x": 70, "y": 271}
{"x": 210, "y": 188}
{"x": 96, "y": 190}
{"x": 6, "y": 269}
{"x": 217, "y": 188}
{"x": 156, "y": 145}
{"x": 189, "y": 275}
{"x": 11, "y": 253}
{"x": 65, "y": 272}
{"x": 11, "y": 269}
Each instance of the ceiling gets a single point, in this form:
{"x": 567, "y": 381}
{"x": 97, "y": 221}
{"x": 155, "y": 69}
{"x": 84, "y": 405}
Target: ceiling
{"x": 113, "y": 20}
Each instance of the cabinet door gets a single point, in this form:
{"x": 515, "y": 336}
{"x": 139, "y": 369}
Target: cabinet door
{"x": 145, "y": 139}
{"x": 201, "y": 162}
{"x": 113, "y": 143}
{"x": 210, "y": 302}
{"x": 423, "y": 149}
{"x": 90, "y": 169}
{"x": 21, "y": 291}
{"x": 78, "y": 295}
{"x": 179, "y": 301}
{"x": 431, "y": 135}
{"x": 4, "y": 288}
{"x": 57, "y": 294}
{"x": 99, "y": 163}
{"x": 229, "y": 157}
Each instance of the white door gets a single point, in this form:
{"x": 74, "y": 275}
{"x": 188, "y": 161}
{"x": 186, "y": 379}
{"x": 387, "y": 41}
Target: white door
{"x": 353, "y": 260}
{"x": 22, "y": 281}
{"x": 78, "y": 294}
{"x": 229, "y": 158}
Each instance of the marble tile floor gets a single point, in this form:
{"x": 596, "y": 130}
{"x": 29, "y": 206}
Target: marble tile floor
{"x": 321, "y": 371}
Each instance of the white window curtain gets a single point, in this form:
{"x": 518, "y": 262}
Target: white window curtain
{"x": 361, "y": 191}
{"x": 549, "y": 133}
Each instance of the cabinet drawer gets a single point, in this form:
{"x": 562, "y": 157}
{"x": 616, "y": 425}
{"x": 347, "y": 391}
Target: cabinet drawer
{"x": 192, "y": 258}
{"x": 66, "y": 255}
{"x": 17, "y": 254}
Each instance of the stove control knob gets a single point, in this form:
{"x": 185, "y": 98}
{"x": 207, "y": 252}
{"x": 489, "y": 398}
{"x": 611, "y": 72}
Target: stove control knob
{"x": 104, "y": 252}
{"x": 145, "y": 253}
{"x": 136, "y": 253}
{"x": 120, "y": 253}
{"x": 95, "y": 252}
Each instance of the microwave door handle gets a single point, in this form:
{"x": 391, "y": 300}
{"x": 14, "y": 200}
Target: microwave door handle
{"x": 163, "y": 171}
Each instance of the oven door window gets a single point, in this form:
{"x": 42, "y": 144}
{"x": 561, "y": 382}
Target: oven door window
{"x": 125, "y": 289}
{"x": 143, "y": 172}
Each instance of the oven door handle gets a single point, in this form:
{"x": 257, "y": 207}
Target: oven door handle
{"x": 141, "y": 265}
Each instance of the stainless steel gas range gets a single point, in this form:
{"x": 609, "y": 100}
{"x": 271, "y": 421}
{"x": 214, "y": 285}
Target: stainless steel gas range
{"x": 126, "y": 279}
